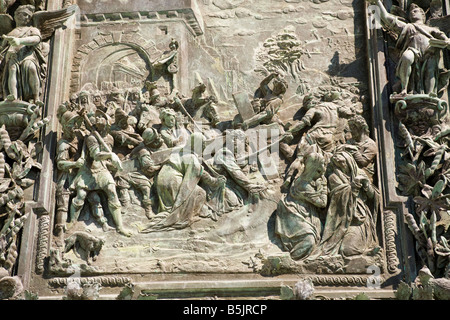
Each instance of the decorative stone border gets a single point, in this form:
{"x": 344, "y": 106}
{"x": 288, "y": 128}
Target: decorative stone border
{"x": 43, "y": 242}
{"x": 390, "y": 227}
{"x": 186, "y": 16}
{"x": 106, "y": 281}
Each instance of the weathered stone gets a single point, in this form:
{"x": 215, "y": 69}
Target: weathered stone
{"x": 170, "y": 160}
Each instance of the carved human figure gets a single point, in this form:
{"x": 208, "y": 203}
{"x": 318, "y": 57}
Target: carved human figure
{"x": 172, "y": 133}
{"x": 148, "y": 112}
{"x": 418, "y": 68}
{"x": 5, "y": 4}
{"x": 168, "y": 61}
{"x": 267, "y": 101}
{"x": 68, "y": 161}
{"x": 84, "y": 101}
{"x": 350, "y": 225}
{"x": 115, "y": 101}
{"x": 239, "y": 188}
{"x": 24, "y": 64}
{"x": 181, "y": 199}
{"x": 139, "y": 177}
{"x": 98, "y": 101}
{"x": 321, "y": 120}
{"x": 95, "y": 175}
{"x": 123, "y": 130}
{"x": 73, "y": 103}
{"x": 366, "y": 148}
{"x": 202, "y": 106}
{"x": 298, "y": 221}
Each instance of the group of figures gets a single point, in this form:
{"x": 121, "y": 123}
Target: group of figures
{"x": 139, "y": 140}
{"x": 331, "y": 207}
{"x": 117, "y": 141}
{"x": 177, "y": 158}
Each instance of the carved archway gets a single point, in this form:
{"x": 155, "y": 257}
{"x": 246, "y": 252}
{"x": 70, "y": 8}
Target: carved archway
{"x": 106, "y": 56}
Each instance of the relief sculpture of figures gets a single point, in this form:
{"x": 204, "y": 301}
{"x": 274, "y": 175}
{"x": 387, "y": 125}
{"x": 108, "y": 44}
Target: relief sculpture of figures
{"x": 224, "y": 149}
{"x": 181, "y": 199}
{"x": 299, "y": 213}
{"x": 95, "y": 174}
{"x": 420, "y": 45}
{"x": 23, "y": 59}
{"x": 352, "y": 214}
{"x": 24, "y": 52}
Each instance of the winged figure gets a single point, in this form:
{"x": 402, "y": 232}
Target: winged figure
{"x": 24, "y": 50}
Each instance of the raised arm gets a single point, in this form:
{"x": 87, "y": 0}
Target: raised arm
{"x": 387, "y": 19}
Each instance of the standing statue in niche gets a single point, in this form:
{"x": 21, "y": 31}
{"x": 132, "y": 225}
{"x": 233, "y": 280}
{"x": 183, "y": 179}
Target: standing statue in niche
{"x": 24, "y": 63}
{"x": 420, "y": 46}
{"x": 24, "y": 51}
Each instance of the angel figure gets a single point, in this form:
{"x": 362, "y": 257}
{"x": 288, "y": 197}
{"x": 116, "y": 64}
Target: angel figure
{"x": 420, "y": 45}
{"x": 23, "y": 52}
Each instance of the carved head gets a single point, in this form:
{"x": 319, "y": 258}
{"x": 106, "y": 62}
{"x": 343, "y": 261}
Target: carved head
{"x": 121, "y": 118}
{"x": 199, "y": 88}
{"x": 135, "y": 94}
{"x": 97, "y": 98}
{"x": 309, "y": 101}
{"x": 416, "y": 13}
{"x": 101, "y": 120}
{"x": 280, "y": 86}
{"x": 70, "y": 120}
{"x": 314, "y": 165}
{"x": 84, "y": 97}
{"x": 344, "y": 161}
{"x": 173, "y": 44}
{"x": 73, "y": 98}
{"x": 331, "y": 96}
{"x": 151, "y": 138}
{"x": 358, "y": 126}
{"x": 116, "y": 94}
{"x": 168, "y": 117}
{"x": 256, "y": 104}
{"x": 23, "y": 15}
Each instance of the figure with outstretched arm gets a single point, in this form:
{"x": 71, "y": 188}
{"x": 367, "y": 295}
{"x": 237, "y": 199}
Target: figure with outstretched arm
{"x": 420, "y": 45}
